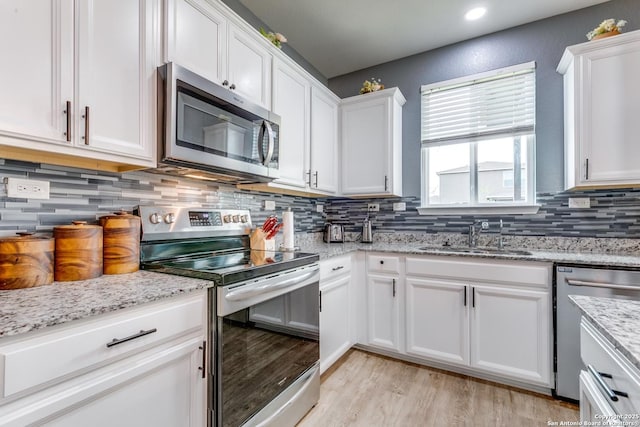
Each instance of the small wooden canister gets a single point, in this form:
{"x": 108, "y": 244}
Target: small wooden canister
{"x": 25, "y": 261}
{"x": 78, "y": 251}
{"x": 121, "y": 243}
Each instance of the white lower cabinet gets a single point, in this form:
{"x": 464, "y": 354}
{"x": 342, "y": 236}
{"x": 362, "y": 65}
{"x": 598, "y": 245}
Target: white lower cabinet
{"x": 437, "y": 320}
{"x": 510, "y": 333}
{"x": 335, "y": 310}
{"x": 486, "y": 317}
{"x": 383, "y": 322}
{"x": 152, "y": 379}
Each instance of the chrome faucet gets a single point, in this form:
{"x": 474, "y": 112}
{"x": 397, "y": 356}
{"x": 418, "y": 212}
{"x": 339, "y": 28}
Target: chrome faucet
{"x": 474, "y": 232}
{"x": 500, "y": 241}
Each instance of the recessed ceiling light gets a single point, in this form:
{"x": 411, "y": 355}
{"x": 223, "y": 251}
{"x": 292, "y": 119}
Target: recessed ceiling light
{"x": 475, "y": 13}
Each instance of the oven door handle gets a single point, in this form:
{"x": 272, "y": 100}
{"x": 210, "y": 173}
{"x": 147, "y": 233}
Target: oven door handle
{"x": 245, "y": 292}
{"x": 574, "y": 282}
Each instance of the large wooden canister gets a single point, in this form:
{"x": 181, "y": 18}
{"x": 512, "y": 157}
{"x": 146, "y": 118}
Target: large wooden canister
{"x": 78, "y": 251}
{"x": 25, "y": 261}
{"x": 121, "y": 243}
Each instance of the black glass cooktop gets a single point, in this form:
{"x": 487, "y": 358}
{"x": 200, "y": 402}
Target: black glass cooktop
{"x": 233, "y": 266}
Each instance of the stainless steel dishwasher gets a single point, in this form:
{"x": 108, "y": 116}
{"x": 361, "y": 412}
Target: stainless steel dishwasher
{"x": 597, "y": 282}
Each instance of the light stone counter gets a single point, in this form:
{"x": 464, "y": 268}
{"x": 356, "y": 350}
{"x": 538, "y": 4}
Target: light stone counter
{"x": 24, "y": 310}
{"x": 328, "y": 250}
{"x": 618, "y": 320}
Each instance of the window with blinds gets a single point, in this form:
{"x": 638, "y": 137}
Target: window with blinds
{"x": 478, "y": 140}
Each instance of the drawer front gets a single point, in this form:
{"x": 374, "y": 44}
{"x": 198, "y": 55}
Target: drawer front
{"x": 383, "y": 264}
{"x": 77, "y": 349}
{"x": 524, "y": 273}
{"x": 598, "y": 352}
{"x": 334, "y": 267}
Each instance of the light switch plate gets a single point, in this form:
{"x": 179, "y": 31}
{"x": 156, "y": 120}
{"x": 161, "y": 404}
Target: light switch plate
{"x": 269, "y": 205}
{"x": 579, "y": 202}
{"x": 400, "y": 206}
{"x": 319, "y": 208}
{"x": 27, "y": 188}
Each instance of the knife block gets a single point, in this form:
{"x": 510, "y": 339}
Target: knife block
{"x": 259, "y": 242}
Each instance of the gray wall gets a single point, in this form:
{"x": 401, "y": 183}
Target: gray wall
{"x": 542, "y": 41}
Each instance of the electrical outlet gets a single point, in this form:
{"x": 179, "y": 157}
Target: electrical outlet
{"x": 400, "y": 206}
{"x": 579, "y": 202}
{"x": 373, "y": 207}
{"x": 320, "y": 208}
{"x": 269, "y": 205}
{"x": 27, "y": 188}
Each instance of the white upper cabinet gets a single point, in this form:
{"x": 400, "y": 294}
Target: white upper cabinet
{"x": 78, "y": 89}
{"x": 249, "y": 66}
{"x": 200, "y": 36}
{"x": 196, "y": 38}
{"x": 36, "y": 39}
{"x": 602, "y": 106}
{"x": 291, "y": 91}
{"x": 371, "y": 139}
{"x": 324, "y": 140}
{"x": 116, "y": 77}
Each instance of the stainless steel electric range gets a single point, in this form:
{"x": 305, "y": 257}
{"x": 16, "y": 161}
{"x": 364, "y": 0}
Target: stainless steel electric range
{"x": 263, "y": 312}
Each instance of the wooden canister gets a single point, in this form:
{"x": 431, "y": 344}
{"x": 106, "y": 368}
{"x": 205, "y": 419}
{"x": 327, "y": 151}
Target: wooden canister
{"x": 25, "y": 261}
{"x": 121, "y": 243}
{"x": 78, "y": 251}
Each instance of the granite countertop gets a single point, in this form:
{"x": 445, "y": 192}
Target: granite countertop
{"x": 328, "y": 250}
{"x": 618, "y": 320}
{"x": 24, "y": 310}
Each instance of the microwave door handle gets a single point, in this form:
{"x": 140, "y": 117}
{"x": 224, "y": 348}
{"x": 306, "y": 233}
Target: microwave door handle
{"x": 271, "y": 144}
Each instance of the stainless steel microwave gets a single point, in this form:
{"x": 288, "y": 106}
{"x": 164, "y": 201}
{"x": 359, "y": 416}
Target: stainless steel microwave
{"x": 210, "y": 132}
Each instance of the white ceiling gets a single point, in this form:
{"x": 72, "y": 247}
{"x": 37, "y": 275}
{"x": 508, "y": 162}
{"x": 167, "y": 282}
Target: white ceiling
{"x": 340, "y": 36}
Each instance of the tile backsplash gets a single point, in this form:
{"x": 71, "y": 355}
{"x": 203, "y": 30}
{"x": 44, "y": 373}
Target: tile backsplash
{"x": 81, "y": 194}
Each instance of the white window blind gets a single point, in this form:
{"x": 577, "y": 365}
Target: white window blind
{"x": 480, "y": 108}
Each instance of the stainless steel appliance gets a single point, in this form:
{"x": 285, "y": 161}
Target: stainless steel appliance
{"x": 264, "y": 312}
{"x": 210, "y": 132}
{"x": 570, "y": 280}
{"x": 367, "y": 235}
{"x": 333, "y": 233}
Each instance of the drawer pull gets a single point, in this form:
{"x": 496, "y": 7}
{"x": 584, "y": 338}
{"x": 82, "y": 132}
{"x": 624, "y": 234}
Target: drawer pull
{"x": 340, "y": 267}
{"x": 611, "y": 393}
{"x": 142, "y": 333}
{"x": 393, "y": 281}
{"x": 381, "y": 262}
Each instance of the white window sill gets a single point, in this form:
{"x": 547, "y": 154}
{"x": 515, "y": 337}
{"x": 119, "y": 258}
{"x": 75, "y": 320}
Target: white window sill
{"x": 479, "y": 210}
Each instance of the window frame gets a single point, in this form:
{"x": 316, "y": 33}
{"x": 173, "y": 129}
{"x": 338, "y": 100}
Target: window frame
{"x": 514, "y": 207}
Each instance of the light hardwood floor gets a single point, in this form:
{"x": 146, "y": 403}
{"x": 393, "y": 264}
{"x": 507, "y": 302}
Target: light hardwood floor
{"x": 365, "y": 389}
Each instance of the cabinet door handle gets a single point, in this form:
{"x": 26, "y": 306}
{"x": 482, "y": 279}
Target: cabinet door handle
{"x": 68, "y": 113}
{"x": 86, "y": 125}
{"x": 340, "y": 267}
{"x": 320, "y": 298}
{"x": 586, "y": 169}
{"x": 465, "y": 296}
{"x": 225, "y": 83}
{"x": 308, "y": 173}
{"x": 386, "y": 183}
{"x": 316, "y": 178}
{"x": 203, "y": 368}
{"x": 393, "y": 281}
{"x": 473, "y": 297}
{"x": 233, "y": 86}
{"x": 142, "y": 333}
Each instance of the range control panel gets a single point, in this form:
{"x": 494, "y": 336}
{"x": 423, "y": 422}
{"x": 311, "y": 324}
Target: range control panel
{"x": 173, "y": 222}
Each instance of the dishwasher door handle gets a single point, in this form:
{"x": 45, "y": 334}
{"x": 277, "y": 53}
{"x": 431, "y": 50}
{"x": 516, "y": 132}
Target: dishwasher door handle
{"x": 573, "y": 282}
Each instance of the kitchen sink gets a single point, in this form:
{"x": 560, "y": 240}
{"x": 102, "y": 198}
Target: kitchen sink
{"x": 478, "y": 250}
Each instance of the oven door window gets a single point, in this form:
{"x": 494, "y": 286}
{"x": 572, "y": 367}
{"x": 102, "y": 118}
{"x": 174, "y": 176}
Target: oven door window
{"x": 265, "y": 348}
